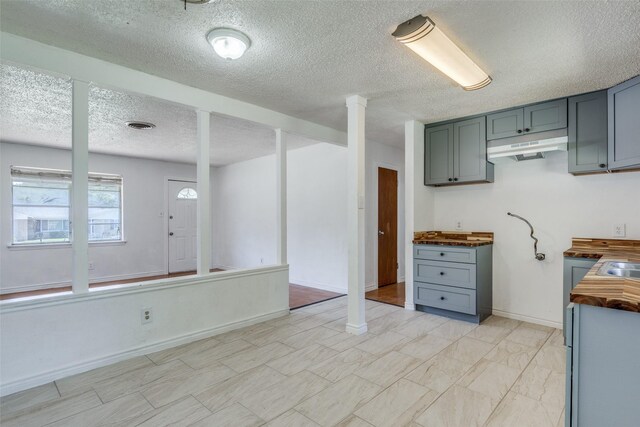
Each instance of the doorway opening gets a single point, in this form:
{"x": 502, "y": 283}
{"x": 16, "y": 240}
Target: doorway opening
{"x": 387, "y": 227}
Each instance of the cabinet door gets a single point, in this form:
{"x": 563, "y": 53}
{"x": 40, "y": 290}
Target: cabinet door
{"x": 438, "y": 155}
{"x": 588, "y": 132}
{"x": 545, "y": 116}
{"x": 624, "y": 124}
{"x": 469, "y": 150}
{"x": 574, "y": 271}
{"x": 505, "y": 124}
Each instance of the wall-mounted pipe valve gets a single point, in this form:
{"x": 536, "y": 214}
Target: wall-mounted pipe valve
{"x": 539, "y": 256}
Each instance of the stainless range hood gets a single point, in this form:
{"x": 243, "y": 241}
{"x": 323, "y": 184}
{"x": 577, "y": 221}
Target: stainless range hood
{"x": 528, "y": 147}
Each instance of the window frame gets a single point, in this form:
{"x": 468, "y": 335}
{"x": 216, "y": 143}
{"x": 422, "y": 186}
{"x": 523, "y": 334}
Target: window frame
{"x": 93, "y": 177}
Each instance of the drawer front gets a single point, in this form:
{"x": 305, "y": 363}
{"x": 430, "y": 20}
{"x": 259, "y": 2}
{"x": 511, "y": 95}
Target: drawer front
{"x": 446, "y": 297}
{"x": 445, "y": 273}
{"x": 444, "y": 253}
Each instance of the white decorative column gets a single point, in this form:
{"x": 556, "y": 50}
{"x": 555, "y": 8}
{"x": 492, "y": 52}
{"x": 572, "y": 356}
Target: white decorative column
{"x": 356, "y": 176}
{"x": 413, "y": 176}
{"x": 80, "y": 186}
{"x": 281, "y": 197}
{"x": 204, "y": 192}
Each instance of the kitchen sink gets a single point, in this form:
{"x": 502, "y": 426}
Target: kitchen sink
{"x": 620, "y": 269}
{"x": 624, "y": 265}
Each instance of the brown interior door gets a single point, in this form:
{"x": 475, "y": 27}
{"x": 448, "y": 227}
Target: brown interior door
{"x": 387, "y": 226}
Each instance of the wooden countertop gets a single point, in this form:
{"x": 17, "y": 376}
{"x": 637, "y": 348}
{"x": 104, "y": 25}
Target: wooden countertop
{"x": 607, "y": 291}
{"x": 453, "y": 238}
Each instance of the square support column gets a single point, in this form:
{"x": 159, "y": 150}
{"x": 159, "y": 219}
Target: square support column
{"x": 80, "y": 186}
{"x": 204, "y": 193}
{"x": 356, "y": 105}
{"x": 281, "y": 197}
{"x": 415, "y": 198}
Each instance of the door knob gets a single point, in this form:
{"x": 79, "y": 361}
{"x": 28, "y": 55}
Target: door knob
{"x": 171, "y": 233}
{"x": 380, "y": 233}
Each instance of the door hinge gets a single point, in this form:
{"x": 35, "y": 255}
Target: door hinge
{"x": 397, "y": 266}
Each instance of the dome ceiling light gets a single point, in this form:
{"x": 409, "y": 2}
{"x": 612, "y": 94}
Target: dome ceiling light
{"x": 228, "y": 43}
{"x": 421, "y": 35}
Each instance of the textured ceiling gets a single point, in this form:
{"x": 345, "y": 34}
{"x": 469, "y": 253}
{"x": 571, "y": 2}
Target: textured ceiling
{"x": 35, "y": 108}
{"x": 307, "y": 56}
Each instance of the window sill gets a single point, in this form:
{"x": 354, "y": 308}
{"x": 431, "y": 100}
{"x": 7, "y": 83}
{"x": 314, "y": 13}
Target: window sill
{"x": 37, "y": 246}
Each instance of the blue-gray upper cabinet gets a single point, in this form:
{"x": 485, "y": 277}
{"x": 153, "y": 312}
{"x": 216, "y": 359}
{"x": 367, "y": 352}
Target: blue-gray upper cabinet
{"x": 624, "y": 125}
{"x": 469, "y": 150}
{"x": 545, "y": 116}
{"x": 438, "y": 155}
{"x": 456, "y": 153}
{"x": 505, "y": 124}
{"x": 534, "y": 118}
{"x": 588, "y": 133}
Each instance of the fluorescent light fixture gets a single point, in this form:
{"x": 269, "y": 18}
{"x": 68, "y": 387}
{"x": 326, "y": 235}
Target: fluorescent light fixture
{"x": 422, "y": 36}
{"x": 228, "y": 43}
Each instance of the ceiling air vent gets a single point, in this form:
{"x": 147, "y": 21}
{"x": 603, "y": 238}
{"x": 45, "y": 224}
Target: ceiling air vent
{"x": 140, "y": 125}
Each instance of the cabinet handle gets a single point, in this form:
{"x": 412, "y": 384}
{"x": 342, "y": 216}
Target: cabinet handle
{"x": 441, "y": 253}
{"x": 442, "y": 273}
{"x": 442, "y": 298}
{"x": 527, "y": 130}
{"x": 519, "y": 131}
{"x": 455, "y": 179}
{"x": 602, "y": 165}
{"x": 450, "y": 179}
{"x": 171, "y": 234}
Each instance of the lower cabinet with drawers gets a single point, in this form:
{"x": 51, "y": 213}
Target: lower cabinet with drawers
{"x": 453, "y": 281}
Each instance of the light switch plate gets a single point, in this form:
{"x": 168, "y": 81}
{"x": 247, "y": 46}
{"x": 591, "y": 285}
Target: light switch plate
{"x": 619, "y": 230}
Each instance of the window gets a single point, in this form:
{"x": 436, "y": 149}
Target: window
{"x": 42, "y": 202}
{"x": 187, "y": 193}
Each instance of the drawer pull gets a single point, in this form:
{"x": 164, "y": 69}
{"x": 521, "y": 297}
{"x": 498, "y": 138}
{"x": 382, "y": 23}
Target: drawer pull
{"x": 442, "y": 273}
{"x": 441, "y": 253}
{"x": 442, "y": 298}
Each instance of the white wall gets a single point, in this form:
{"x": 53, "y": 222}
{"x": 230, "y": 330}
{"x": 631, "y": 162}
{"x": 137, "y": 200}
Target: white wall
{"x": 559, "y": 206}
{"x": 317, "y": 217}
{"x": 143, "y": 254}
{"x": 244, "y": 231}
{"x": 55, "y": 337}
{"x": 244, "y": 214}
{"x": 379, "y": 155}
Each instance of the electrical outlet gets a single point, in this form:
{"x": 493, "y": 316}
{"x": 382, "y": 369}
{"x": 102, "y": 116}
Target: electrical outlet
{"x": 92, "y": 266}
{"x": 146, "y": 315}
{"x": 619, "y": 230}
{"x": 458, "y": 224}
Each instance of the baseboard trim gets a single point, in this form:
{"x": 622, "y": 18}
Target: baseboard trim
{"x": 356, "y": 329}
{"x": 36, "y": 380}
{"x": 529, "y": 319}
{"x": 320, "y": 286}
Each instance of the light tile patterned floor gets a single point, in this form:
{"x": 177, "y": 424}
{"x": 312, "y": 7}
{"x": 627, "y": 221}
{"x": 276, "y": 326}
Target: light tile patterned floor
{"x": 412, "y": 369}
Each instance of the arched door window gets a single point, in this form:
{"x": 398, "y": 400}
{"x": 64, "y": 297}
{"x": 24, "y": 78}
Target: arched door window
{"x": 187, "y": 193}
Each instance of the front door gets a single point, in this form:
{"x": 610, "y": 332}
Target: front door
{"x": 183, "y": 227}
{"x": 387, "y": 226}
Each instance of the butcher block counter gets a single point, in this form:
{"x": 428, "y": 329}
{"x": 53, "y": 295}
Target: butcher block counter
{"x": 470, "y": 239}
{"x": 621, "y": 293}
